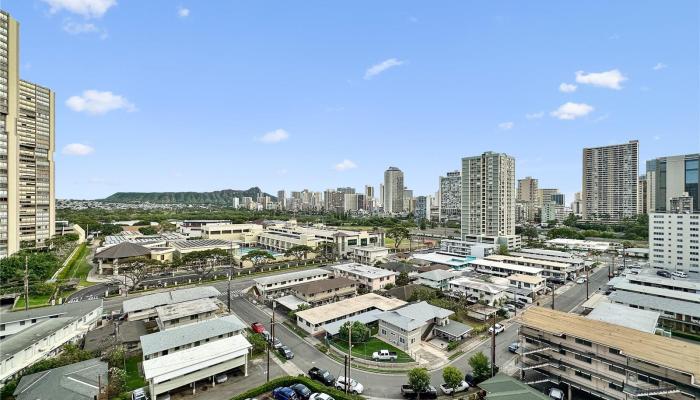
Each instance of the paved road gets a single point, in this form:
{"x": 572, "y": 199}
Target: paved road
{"x": 376, "y": 385}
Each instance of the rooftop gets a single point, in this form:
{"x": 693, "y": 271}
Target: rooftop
{"x": 451, "y": 260}
{"x": 77, "y": 309}
{"x": 504, "y": 265}
{"x": 534, "y": 280}
{"x": 323, "y": 285}
{"x": 123, "y": 250}
{"x": 539, "y": 261}
{"x": 399, "y": 267}
{"x": 193, "y": 359}
{"x": 641, "y": 320}
{"x": 186, "y": 308}
{"x": 363, "y": 270}
{"x": 171, "y": 297}
{"x": 504, "y": 387}
{"x": 340, "y": 309}
{"x": 655, "y": 303}
{"x": 666, "y": 352}
{"x": 454, "y": 328}
{"x": 77, "y": 381}
{"x": 438, "y": 275}
{"x": 104, "y": 336}
{"x": 657, "y": 291}
{"x": 415, "y": 315}
{"x": 551, "y": 253}
{"x": 693, "y": 286}
{"x": 267, "y": 280}
{"x": 365, "y": 318}
{"x": 199, "y": 243}
{"x": 182, "y": 335}
{"x": 479, "y": 284}
{"x": 291, "y": 302}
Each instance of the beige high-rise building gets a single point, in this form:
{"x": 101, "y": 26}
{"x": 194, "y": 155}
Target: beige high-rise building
{"x": 610, "y": 181}
{"x": 393, "y": 191}
{"x": 488, "y": 195}
{"x": 27, "y": 194}
{"x": 528, "y": 189}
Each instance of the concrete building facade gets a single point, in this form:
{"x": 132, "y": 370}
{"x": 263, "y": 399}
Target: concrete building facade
{"x": 393, "y": 191}
{"x": 488, "y": 195}
{"x": 610, "y": 181}
{"x": 669, "y": 177}
{"x": 450, "y": 204}
{"x": 674, "y": 242}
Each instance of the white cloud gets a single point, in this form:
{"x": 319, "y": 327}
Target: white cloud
{"x": 183, "y": 12}
{"x": 506, "y": 125}
{"x": 77, "y": 149}
{"x": 608, "y": 79}
{"x": 572, "y": 110}
{"x": 96, "y": 102}
{"x": 659, "y": 66}
{"x": 76, "y": 28}
{"x": 536, "y": 115}
{"x": 86, "y": 8}
{"x": 567, "y": 87}
{"x": 275, "y": 136}
{"x": 381, "y": 67}
{"x": 345, "y": 165}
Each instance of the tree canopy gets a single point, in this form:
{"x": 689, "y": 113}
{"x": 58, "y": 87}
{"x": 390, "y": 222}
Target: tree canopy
{"x": 419, "y": 379}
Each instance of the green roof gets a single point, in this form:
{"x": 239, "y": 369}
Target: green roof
{"x": 504, "y": 387}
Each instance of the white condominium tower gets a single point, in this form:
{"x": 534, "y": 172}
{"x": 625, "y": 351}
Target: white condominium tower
{"x": 528, "y": 189}
{"x": 26, "y": 151}
{"x": 450, "y": 204}
{"x": 610, "y": 181}
{"x": 488, "y": 195}
{"x": 393, "y": 191}
{"x": 27, "y": 197}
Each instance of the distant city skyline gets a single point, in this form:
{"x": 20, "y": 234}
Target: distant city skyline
{"x": 332, "y": 104}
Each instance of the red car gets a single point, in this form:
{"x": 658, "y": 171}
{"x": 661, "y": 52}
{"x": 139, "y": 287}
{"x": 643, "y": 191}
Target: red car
{"x": 257, "y": 327}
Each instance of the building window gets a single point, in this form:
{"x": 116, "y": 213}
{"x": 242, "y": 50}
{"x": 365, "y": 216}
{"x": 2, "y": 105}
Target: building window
{"x": 615, "y": 386}
{"x": 648, "y": 379}
{"x": 583, "y": 358}
{"x": 384, "y": 332}
{"x": 583, "y": 375}
{"x": 584, "y": 342}
{"x": 616, "y": 369}
{"x": 614, "y": 351}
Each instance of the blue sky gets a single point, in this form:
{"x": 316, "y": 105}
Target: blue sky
{"x": 190, "y": 95}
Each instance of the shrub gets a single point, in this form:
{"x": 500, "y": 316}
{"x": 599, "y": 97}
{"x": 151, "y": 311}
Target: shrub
{"x": 290, "y": 380}
{"x": 452, "y": 345}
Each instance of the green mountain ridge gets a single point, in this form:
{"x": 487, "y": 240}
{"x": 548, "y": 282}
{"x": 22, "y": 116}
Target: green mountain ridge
{"x": 216, "y": 197}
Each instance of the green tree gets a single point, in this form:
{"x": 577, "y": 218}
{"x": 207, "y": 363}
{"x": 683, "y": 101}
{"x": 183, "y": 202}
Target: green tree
{"x": 481, "y": 368}
{"x": 503, "y": 250}
{"x": 452, "y": 377}
{"x": 360, "y": 332}
{"x": 257, "y": 257}
{"x": 398, "y": 233}
{"x": 292, "y": 314}
{"x": 299, "y": 252}
{"x": 419, "y": 380}
{"x": 148, "y": 230}
{"x": 327, "y": 249}
{"x": 115, "y": 356}
{"x": 107, "y": 229}
{"x": 258, "y": 342}
{"x": 389, "y": 286}
{"x": 117, "y": 382}
{"x": 402, "y": 279}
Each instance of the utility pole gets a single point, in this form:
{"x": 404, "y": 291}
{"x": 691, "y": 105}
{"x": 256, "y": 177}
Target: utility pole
{"x": 588, "y": 274}
{"x": 554, "y": 287}
{"x": 493, "y": 346}
{"x": 26, "y": 285}
{"x": 347, "y": 376}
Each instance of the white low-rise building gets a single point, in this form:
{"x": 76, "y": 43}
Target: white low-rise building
{"x": 370, "y": 254}
{"x": 556, "y": 269}
{"x": 500, "y": 268}
{"x": 371, "y": 278}
{"x": 477, "y": 290}
{"x": 283, "y": 236}
{"x": 577, "y": 244}
{"x": 437, "y": 279}
{"x": 463, "y": 248}
{"x": 526, "y": 287}
{"x": 279, "y": 285}
{"x": 188, "y": 312}
{"x": 246, "y": 234}
{"x": 29, "y": 336}
{"x": 145, "y": 307}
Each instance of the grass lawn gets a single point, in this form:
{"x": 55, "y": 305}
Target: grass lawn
{"x": 365, "y": 350}
{"x": 78, "y": 266}
{"x": 134, "y": 380}
{"x": 34, "y": 301}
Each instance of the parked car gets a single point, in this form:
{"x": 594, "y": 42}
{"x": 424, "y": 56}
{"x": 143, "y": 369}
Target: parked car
{"x": 663, "y": 273}
{"x": 384, "y": 355}
{"x": 581, "y": 280}
{"x": 139, "y": 394}
{"x": 320, "y": 396}
{"x": 448, "y": 390}
{"x": 497, "y": 328}
{"x": 679, "y": 274}
{"x": 520, "y": 304}
{"x": 301, "y": 390}
{"x": 509, "y": 307}
{"x": 556, "y": 394}
{"x": 284, "y": 393}
{"x": 354, "y": 387}
{"x": 469, "y": 378}
{"x": 276, "y": 344}
{"x": 513, "y": 348}
{"x": 408, "y": 392}
{"x": 322, "y": 376}
{"x": 286, "y": 352}
{"x": 221, "y": 378}
{"x": 257, "y": 327}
